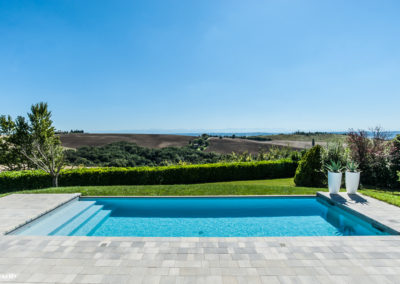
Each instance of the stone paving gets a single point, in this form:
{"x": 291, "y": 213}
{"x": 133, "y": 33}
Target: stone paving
{"x": 374, "y": 210}
{"x": 54, "y": 259}
{"x": 19, "y": 209}
{"x": 200, "y": 260}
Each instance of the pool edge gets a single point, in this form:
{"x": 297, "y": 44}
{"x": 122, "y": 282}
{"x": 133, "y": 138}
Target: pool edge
{"x": 375, "y": 223}
{"x": 198, "y": 196}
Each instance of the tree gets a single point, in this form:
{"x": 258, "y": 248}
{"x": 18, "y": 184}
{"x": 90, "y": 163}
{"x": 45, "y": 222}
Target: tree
{"x": 47, "y": 156}
{"x": 32, "y": 143}
{"x": 6, "y": 158}
{"x": 41, "y": 125}
{"x": 15, "y": 135}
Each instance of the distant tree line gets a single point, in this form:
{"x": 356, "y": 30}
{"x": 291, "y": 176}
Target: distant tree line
{"x": 68, "y": 132}
{"x": 234, "y": 136}
{"x": 126, "y": 154}
{"x": 298, "y": 132}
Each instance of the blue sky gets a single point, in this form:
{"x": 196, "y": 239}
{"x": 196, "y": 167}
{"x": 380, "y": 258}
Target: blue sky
{"x": 267, "y": 65}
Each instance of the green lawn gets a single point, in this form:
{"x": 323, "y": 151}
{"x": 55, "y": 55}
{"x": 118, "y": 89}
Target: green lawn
{"x": 251, "y": 187}
{"x": 392, "y": 197}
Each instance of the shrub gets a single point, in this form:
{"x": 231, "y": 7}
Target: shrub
{"x": 309, "y": 172}
{"x": 335, "y": 151}
{"x": 373, "y": 156}
{"x": 273, "y": 153}
{"x": 395, "y": 159}
{"x": 126, "y": 154}
{"x": 359, "y": 145}
{"x": 186, "y": 174}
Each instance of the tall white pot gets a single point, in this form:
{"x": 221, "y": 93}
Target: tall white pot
{"x": 334, "y": 182}
{"x": 352, "y": 182}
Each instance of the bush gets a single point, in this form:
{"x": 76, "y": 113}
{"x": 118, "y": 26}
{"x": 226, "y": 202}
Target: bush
{"x": 273, "y": 153}
{"x": 335, "y": 151}
{"x": 360, "y": 146}
{"x": 374, "y": 157}
{"x": 186, "y": 174}
{"x": 309, "y": 172}
{"x": 395, "y": 159}
{"x": 126, "y": 154}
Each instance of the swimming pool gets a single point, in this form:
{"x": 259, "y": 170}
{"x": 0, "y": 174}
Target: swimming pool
{"x": 199, "y": 217}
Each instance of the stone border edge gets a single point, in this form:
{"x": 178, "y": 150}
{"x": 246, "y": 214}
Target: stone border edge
{"x": 376, "y": 224}
{"x": 199, "y": 196}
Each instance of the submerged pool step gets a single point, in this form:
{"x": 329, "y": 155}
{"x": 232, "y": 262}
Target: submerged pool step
{"x": 76, "y": 222}
{"x": 51, "y": 222}
{"x": 87, "y": 228}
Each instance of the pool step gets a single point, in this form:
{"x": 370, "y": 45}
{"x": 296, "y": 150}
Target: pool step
{"x": 51, "y": 222}
{"x": 87, "y": 228}
{"x": 75, "y": 223}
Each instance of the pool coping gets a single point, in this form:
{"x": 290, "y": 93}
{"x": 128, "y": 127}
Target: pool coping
{"x": 378, "y": 224}
{"x": 199, "y": 196}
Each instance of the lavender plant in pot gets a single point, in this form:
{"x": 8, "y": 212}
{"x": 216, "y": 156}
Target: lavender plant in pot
{"x": 352, "y": 177}
{"x": 334, "y": 176}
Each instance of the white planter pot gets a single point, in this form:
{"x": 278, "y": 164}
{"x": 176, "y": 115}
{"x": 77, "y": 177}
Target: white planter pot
{"x": 352, "y": 182}
{"x": 334, "y": 182}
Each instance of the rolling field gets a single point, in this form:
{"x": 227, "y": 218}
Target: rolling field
{"x": 143, "y": 140}
{"x": 229, "y": 145}
{"x": 322, "y": 137}
{"x": 223, "y": 146}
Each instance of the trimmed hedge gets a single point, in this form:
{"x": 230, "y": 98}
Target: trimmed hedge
{"x": 12, "y": 181}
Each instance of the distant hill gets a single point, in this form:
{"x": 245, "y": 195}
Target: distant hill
{"x": 237, "y": 145}
{"x": 74, "y": 140}
{"x": 229, "y": 145}
{"x": 319, "y": 137}
{"x": 223, "y": 146}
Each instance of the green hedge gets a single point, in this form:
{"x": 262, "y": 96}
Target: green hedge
{"x": 11, "y": 181}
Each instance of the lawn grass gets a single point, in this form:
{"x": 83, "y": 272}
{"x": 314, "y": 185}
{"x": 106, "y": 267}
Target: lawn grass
{"x": 284, "y": 186}
{"x": 252, "y": 187}
{"x": 391, "y": 197}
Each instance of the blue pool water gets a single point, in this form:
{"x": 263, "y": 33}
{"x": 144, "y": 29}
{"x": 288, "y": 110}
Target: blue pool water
{"x": 199, "y": 217}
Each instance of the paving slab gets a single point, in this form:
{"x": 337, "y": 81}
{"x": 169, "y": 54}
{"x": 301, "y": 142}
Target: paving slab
{"x": 375, "y": 211}
{"x": 370, "y": 258}
{"x": 19, "y": 209}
